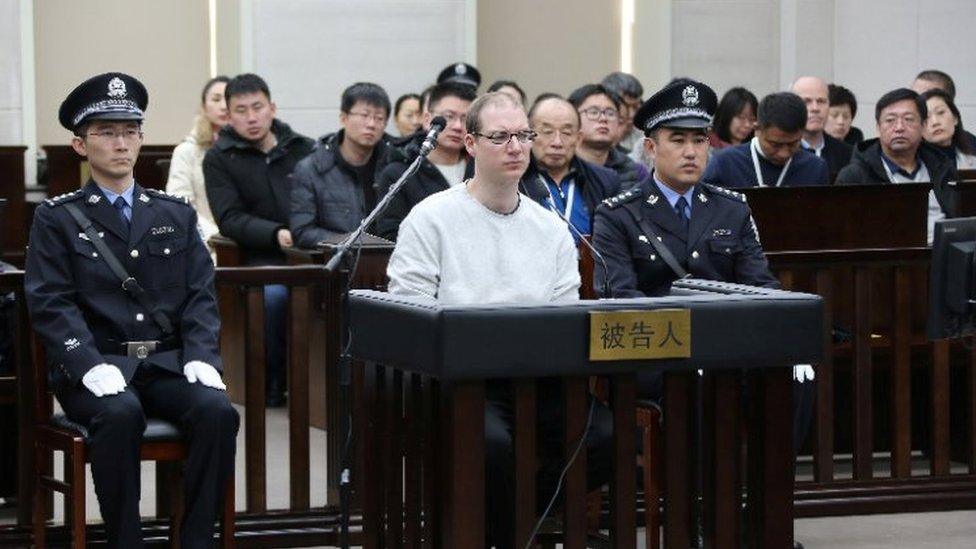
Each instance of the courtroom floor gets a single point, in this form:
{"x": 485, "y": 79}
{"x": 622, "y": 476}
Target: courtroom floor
{"x": 951, "y": 530}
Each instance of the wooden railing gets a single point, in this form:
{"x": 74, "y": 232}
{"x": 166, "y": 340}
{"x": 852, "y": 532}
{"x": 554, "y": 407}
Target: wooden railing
{"x": 880, "y": 298}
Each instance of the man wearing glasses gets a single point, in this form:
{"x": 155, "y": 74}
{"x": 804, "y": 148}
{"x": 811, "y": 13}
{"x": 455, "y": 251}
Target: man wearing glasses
{"x": 899, "y": 155}
{"x": 600, "y": 120}
{"x": 116, "y": 358}
{"x": 446, "y": 166}
{"x": 334, "y": 186}
{"x": 483, "y": 242}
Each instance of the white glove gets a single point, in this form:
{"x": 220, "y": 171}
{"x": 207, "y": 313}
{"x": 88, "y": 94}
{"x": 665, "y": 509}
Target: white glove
{"x": 204, "y": 373}
{"x": 104, "y": 379}
{"x": 803, "y": 372}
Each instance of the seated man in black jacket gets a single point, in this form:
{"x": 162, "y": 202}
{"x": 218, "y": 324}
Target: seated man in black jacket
{"x": 333, "y": 188}
{"x": 248, "y": 178}
{"x": 899, "y": 155}
{"x": 575, "y": 187}
{"x": 446, "y": 166}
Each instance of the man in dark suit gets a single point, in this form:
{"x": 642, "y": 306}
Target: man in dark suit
{"x": 116, "y": 358}
{"x": 815, "y": 94}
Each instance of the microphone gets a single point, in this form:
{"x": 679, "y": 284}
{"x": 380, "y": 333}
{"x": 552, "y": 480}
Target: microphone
{"x": 430, "y": 142}
{"x": 541, "y": 185}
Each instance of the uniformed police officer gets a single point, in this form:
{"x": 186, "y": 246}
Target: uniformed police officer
{"x": 671, "y": 224}
{"x": 114, "y": 358}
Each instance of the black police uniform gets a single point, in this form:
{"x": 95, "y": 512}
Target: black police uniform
{"x": 721, "y": 241}
{"x": 83, "y": 317}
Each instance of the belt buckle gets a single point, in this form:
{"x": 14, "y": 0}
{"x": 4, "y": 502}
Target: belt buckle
{"x": 140, "y": 349}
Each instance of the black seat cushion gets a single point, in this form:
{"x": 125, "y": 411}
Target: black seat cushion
{"x": 157, "y": 430}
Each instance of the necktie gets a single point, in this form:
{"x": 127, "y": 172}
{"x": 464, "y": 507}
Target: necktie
{"x": 120, "y": 208}
{"x": 679, "y": 208}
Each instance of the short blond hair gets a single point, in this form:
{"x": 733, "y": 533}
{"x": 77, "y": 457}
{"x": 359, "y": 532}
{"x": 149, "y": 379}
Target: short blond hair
{"x": 493, "y": 99}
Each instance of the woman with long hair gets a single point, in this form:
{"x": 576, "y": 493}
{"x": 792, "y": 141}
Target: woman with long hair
{"x": 943, "y": 128}
{"x": 735, "y": 118}
{"x": 186, "y": 166}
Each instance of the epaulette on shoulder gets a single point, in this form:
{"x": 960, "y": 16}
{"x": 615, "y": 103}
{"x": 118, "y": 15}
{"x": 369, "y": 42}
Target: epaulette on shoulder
{"x": 166, "y": 196}
{"x": 64, "y": 198}
{"x": 722, "y": 191}
{"x": 622, "y": 198}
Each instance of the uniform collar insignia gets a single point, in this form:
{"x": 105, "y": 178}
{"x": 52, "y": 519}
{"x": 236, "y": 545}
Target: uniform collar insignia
{"x": 702, "y": 198}
{"x": 93, "y": 199}
{"x": 652, "y": 200}
{"x": 144, "y": 198}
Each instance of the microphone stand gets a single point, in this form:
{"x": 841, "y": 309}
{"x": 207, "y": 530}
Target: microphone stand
{"x": 607, "y": 293}
{"x": 345, "y": 359}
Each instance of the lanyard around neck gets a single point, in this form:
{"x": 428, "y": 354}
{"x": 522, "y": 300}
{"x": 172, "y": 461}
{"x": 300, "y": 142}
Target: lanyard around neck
{"x": 754, "y": 149}
{"x": 568, "y": 198}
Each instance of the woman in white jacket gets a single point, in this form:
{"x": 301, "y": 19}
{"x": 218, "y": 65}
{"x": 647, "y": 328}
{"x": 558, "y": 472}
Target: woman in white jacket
{"x": 186, "y": 167}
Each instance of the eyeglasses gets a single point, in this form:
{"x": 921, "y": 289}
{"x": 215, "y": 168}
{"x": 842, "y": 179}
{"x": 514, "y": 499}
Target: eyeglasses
{"x": 365, "y": 116}
{"x": 502, "y": 138}
{"x": 452, "y": 116}
{"x": 594, "y": 113}
{"x": 128, "y": 134}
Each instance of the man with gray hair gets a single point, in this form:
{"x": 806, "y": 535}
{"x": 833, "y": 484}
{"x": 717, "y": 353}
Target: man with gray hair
{"x": 631, "y": 93}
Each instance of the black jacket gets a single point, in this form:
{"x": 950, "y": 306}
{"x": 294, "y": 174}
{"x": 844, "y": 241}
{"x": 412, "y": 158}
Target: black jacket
{"x": 427, "y": 181}
{"x": 327, "y": 199}
{"x": 629, "y": 172}
{"x": 250, "y": 191}
{"x": 77, "y": 305}
{"x": 866, "y": 168}
{"x": 837, "y": 154}
{"x": 597, "y": 183}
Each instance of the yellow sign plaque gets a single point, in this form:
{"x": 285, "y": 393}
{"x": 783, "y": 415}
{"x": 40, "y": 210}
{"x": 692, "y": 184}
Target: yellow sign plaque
{"x": 640, "y": 335}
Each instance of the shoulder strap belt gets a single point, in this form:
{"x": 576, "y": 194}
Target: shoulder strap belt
{"x": 659, "y": 246}
{"x": 129, "y": 284}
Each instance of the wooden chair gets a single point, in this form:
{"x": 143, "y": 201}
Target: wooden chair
{"x": 649, "y": 461}
{"x": 162, "y": 442}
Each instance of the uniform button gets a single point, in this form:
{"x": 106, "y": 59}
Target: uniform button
{"x": 653, "y": 257}
{"x": 94, "y": 254}
{"x": 694, "y": 254}
{"x": 134, "y": 253}
{"x": 728, "y": 250}
{"x": 165, "y": 251}
{"x": 140, "y": 317}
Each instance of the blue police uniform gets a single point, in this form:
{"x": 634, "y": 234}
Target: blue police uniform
{"x": 84, "y": 318}
{"x": 719, "y": 243}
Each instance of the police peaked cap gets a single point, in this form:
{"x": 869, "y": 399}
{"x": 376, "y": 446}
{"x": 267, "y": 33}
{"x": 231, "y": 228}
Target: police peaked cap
{"x": 681, "y": 104}
{"x": 109, "y": 96}
{"x": 462, "y": 73}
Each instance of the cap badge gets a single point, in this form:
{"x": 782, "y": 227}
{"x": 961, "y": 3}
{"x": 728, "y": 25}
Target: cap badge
{"x": 116, "y": 88}
{"x": 460, "y": 69}
{"x": 689, "y": 96}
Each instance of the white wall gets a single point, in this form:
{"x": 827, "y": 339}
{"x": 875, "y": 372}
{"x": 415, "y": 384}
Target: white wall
{"x": 310, "y": 50}
{"x": 869, "y": 46}
{"x": 11, "y": 104}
